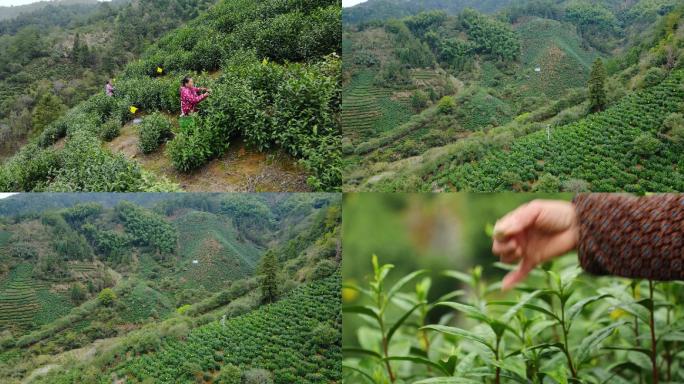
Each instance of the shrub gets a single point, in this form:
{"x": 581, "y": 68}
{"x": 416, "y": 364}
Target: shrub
{"x": 547, "y": 183}
{"x": 258, "y": 376}
{"x": 323, "y": 269}
{"x": 419, "y": 100}
{"x": 30, "y": 169}
{"x": 446, "y": 105}
{"x": 575, "y": 185}
{"x": 103, "y": 106}
{"x": 110, "y": 129}
{"x": 52, "y": 133}
{"x": 674, "y": 126}
{"x": 646, "y": 144}
{"x": 154, "y": 129}
{"x": 182, "y": 310}
{"x": 653, "y": 76}
{"x": 106, "y": 297}
{"x": 89, "y": 167}
{"x": 77, "y": 293}
{"x": 229, "y": 374}
{"x": 191, "y": 147}
{"x": 325, "y": 335}
{"x": 209, "y": 52}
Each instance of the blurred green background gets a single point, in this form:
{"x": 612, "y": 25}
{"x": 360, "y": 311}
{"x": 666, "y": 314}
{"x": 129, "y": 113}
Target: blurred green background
{"x": 414, "y": 231}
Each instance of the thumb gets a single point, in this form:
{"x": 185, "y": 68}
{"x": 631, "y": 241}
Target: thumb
{"x": 518, "y": 275}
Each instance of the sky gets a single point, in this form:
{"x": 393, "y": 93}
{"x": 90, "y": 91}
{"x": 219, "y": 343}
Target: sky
{"x": 345, "y": 3}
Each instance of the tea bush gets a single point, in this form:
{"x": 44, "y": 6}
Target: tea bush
{"x": 101, "y": 172}
{"x": 560, "y": 327}
{"x": 110, "y": 129}
{"x": 154, "y": 129}
{"x": 190, "y": 148}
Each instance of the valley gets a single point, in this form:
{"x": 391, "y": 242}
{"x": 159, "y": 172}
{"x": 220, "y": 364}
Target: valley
{"x": 91, "y": 291}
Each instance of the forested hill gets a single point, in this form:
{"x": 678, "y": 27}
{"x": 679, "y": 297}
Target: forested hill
{"x": 10, "y": 12}
{"x": 430, "y": 95}
{"x": 95, "y": 282}
{"x": 393, "y": 9}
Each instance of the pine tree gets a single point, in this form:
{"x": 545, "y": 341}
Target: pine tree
{"x": 76, "y": 49}
{"x": 269, "y": 277}
{"x": 49, "y": 107}
{"x": 597, "y": 87}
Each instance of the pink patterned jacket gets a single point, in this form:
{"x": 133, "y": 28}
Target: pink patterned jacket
{"x": 189, "y": 98}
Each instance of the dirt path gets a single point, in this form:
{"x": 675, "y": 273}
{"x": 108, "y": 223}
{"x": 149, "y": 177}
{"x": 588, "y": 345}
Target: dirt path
{"x": 240, "y": 169}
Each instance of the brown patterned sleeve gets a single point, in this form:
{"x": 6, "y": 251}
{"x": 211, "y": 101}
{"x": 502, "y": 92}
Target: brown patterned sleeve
{"x": 637, "y": 237}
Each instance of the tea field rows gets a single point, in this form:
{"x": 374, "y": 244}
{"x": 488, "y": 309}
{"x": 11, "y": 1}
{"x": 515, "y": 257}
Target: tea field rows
{"x": 18, "y": 302}
{"x": 600, "y": 150}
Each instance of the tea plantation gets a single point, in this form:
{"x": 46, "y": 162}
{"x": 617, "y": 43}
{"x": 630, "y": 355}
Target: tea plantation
{"x": 18, "y": 301}
{"x": 602, "y": 150}
{"x": 274, "y": 71}
{"x": 298, "y": 343}
{"x": 203, "y": 288}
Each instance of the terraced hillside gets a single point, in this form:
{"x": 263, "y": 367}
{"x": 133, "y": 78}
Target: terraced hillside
{"x": 92, "y": 293}
{"x": 605, "y": 150}
{"x": 369, "y": 110}
{"x": 18, "y": 301}
{"x": 505, "y": 103}
{"x": 487, "y": 92}
{"x": 297, "y": 338}
{"x": 211, "y": 240}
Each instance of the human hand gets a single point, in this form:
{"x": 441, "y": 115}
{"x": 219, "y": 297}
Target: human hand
{"x": 533, "y": 234}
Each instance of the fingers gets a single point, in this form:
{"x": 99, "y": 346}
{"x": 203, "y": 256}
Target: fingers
{"x": 517, "y": 220}
{"x": 518, "y": 275}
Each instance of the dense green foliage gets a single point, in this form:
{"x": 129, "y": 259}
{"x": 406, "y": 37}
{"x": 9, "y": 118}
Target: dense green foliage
{"x": 536, "y": 102}
{"x": 55, "y": 56}
{"x": 602, "y": 150}
{"x": 148, "y": 228}
{"x": 560, "y": 326}
{"x": 278, "y": 338}
{"x": 597, "y": 87}
{"x": 154, "y": 129}
{"x": 96, "y": 275}
{"x": 278, "y": 88}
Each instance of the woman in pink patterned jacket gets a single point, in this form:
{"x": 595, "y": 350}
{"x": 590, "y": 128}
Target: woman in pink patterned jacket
{"x": 190, "y": 96}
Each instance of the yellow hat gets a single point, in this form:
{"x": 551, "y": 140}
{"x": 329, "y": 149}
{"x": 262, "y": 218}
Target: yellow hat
{"x": 133, "y": 109}
{"x": 159, "y": 70}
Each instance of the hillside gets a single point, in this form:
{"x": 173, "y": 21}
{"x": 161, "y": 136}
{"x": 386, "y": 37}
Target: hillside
{"x": 275, "y": 87}
{"x": 373, "y": 10}
{"x": 57, "y": 55}
{"x": 11, "y": 12}
{"x": 494, "y": 103}
{"x": 178, "y": 266}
